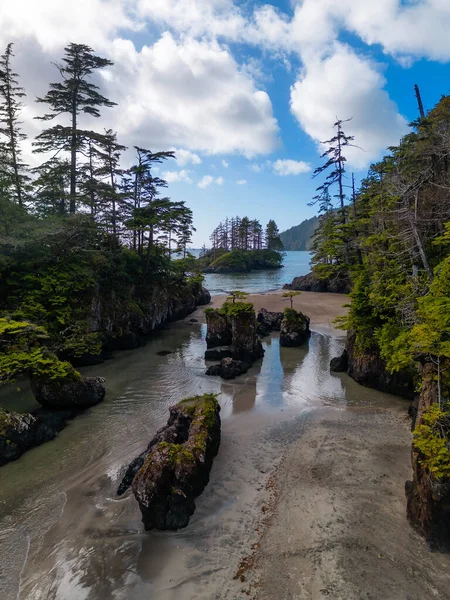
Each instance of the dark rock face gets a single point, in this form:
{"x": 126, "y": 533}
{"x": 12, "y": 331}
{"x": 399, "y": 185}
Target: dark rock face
{"x": 219, "y": 329}
{"x": 310, "y": 283}
{"x": 218, "y": 353}
{"x": 268, "y": 321}
{"x": 370, "y": 370}
{"x": 294, "y": 329}
{"x": 428, "y": 500}
{"x": 21, "y": 432}
{"x": 340, "y": 363}
{"x": 229, "y": 368}
{"x": 245, "y": 343}
{"x": 69, "y": 395}
{"x": 175, "y": 468}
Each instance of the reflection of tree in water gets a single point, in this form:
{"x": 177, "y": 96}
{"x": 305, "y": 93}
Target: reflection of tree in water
{"x": 311, "y": 381}
{"x": 269, "y": 385}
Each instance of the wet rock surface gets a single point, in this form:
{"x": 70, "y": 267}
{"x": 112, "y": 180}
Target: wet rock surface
{"x": 218, "y": 353}
{"x": 340, "y": 363}
{"x": 310, "y": 283}
{"x": 175, "y": 468}
{"x": 69, "y": 395}
{"x": 229, "y": 368}
{"x": 294, "y": 329}
{"x": 21, "y": 432}
{"x": 218, "y": 329}
{"x": 268, "y": 321}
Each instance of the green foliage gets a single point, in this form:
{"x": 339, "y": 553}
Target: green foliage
{"x": 22, "y": 353}
{"x": 299, "y": 237}
{"x": 233, "y": 309}
{"x": 236, "y": 295}
{"x": 240, "y": 261}
{"x": 292, "y": 316}
{"x": 432, "y": 440}
{"x": 290, "y": 296}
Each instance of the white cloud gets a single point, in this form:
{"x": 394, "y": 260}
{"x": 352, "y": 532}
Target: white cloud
{"x": 186, "y": 157}
{"x": 345, "y": 85}
{"x": 241, "y": 182}
{"x": 291, "y": 167}
{"x": 208, "y": 180}
{"x": 177, "y": 176}
{"x": 256, "y": 168}
{"x": 225, "y": 164}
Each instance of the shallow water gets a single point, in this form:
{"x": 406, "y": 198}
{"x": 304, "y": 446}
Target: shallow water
{"x": 66, "y": 536}
{"x": 295, "y": 264}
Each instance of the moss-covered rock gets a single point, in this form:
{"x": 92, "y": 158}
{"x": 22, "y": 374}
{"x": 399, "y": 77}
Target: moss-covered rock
{"x": 21, "y": 432}
{"x": 294, "y": 328}
{"x": 175, "y": 468}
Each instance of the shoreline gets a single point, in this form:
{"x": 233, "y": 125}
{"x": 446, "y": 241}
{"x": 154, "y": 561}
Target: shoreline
{"x": 321, "y": 307}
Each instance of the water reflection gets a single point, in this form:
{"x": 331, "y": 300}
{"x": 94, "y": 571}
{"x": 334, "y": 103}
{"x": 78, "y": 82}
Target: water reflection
{"x": 59, "y": 499}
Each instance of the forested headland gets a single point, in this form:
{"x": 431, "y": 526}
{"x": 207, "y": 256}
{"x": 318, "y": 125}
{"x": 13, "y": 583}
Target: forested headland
{"x": 85, "y": 245}
{"x": 300, "y": 236}
{"x": 242, "y": 245}
{"x": 391, "y": 238}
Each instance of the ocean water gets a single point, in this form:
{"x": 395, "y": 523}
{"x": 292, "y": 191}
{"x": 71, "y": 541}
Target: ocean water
{"x": 295, "y": 264}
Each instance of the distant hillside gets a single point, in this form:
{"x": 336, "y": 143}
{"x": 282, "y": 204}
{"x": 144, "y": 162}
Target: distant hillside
{"x": 299, "y": 237}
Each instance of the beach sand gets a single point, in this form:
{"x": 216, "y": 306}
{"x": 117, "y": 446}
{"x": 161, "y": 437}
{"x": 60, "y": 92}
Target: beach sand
{"x": 332, "y": 510}
{"x": 322, "y": 309}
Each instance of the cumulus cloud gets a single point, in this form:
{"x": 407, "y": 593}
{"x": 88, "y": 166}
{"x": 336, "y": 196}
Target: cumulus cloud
{"x": 345, "y": 85}
{"x": 290, "y": 167}
{"x": 225, "y": 164}
{"x": 186, "y": 157}
{"x": 208, "y": 180}
{"x": 241, "y": 182}
{"x": 177, "y": 176}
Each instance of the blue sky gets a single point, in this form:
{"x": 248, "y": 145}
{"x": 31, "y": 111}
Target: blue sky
{"x": 245, "y": 91}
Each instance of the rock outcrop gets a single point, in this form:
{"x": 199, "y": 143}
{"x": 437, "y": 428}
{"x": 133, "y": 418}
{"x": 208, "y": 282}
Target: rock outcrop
{"x": 268, "y": 321}
{"x": 69, "y": 395}
{"x": 229, "y": 368}
{"x": 369, "y": 369}
{"x": 235, "y": 325}
{"x": 340, "y": 363}
{"x": 21, "y": 432}
{"x": 294, "y": 328}
{"x": 340, "y": 284}
{"x": 218, "y": 333}
{"x": 428, "y": 499}
{"x": 175, "y": 468}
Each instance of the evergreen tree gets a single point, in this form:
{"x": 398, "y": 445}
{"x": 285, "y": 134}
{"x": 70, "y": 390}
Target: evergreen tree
{"x": 73, "y": 96}
{"x": 12, "y": 170}
{"x": 273, "y": 241}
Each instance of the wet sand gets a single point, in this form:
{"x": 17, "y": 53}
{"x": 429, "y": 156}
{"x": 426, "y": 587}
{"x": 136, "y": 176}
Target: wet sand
{"x": 322, "y": 309}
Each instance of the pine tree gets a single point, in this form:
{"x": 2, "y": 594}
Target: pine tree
{"x": 12, "y": 170}
{"x": 273, "y": 241}
{"x": 73, "y": 96}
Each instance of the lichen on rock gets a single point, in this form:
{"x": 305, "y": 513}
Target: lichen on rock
{"x": 175, "y": 468}
{"x": 294, "y": 328}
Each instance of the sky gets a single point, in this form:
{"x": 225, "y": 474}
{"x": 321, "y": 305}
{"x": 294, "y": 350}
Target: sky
{"x": 244, "y": 91}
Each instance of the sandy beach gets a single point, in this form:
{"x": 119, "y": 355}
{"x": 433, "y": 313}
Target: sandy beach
{"x": 322, "y": 309}
{"x": 332, "y": 510}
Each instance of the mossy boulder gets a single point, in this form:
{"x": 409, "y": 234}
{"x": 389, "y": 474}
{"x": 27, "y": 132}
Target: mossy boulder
{"x": 76, "y": 394}
{"x": 21, "y": 432}
{"x": 229, "y": 368}
{"x": 245, "y": 343}
{"x": 174, "y": 470}
{"x": 294, "y": 328}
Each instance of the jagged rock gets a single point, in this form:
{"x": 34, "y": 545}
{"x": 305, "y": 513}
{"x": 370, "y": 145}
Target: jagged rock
{"x": 175, "y": 468}
{"x": 268, "y": 321}
{"x": 72, "y": 395}
{"x": 164, "y": 352}
{"x": 21, "y": 432}
{"x": 340, "y": 363}
{"x": 294, "y": 328}
{"x": 245, "y": 343}
{"x": 339, "y": 284}
{"x": 229, "y": 368}
{"x": 218, "y": 329}
{"x": 369, "y": 369}
{"x": 218, "y": 353}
